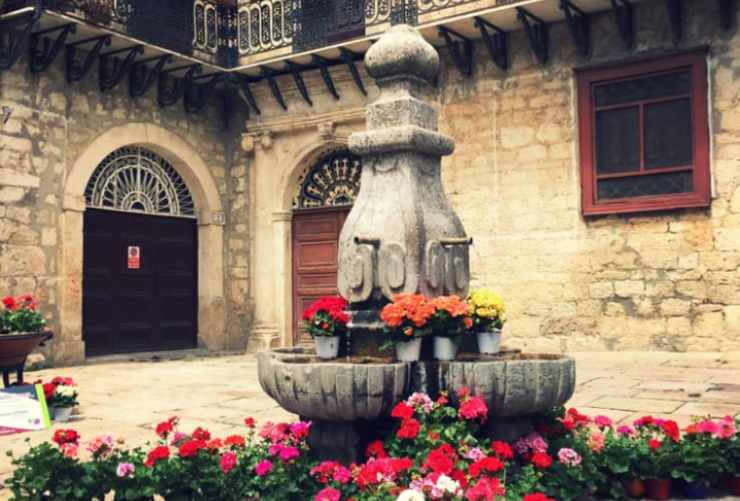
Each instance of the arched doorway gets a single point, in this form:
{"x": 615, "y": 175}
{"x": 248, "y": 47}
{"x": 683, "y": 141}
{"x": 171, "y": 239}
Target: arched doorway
{"x": 140, "y": 256}
{"x": 323, "y": 198}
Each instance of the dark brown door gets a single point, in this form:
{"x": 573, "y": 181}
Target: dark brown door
{"x": 315, "y": 239}
{"x": 140, "y": 290}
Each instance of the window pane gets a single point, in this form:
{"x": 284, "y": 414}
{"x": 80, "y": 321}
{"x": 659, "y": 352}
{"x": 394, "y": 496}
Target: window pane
{"x": 617, "y": 140}
{"x": 668, "y": 134}
{"x": 656, "y": 184}
{"x": 639, "y": 89}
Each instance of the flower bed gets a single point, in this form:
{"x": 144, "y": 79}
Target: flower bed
{"x": 433, "y": 453}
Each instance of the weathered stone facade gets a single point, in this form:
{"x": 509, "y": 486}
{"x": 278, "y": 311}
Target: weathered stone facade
{"x": 664, "y": 280}
{"x": 45, "y": 150}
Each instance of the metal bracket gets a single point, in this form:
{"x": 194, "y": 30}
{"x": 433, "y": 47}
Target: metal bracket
{"x": 456, "y": 241}
{"x": 12, "y": 40}
{"x": 375, "y": 242}
{"x": 321, "y": 63}
{"x": 675, "y": 16}
{"x": 76, "y": 71}
{"x": 538, "y": 33}
{"x": 269, "y": 74}
{"x": 111, "y": 74}
{"x": 196, "y": 96}
{"x": 295, "y": 70}
{"x": 496, "y": 41}
{"x": 42, "y": 52}
{"x": 727, "y": 12}
{"x": 246, "y": 94}
{"x": 463, "y": 59}
{"x": 349, "y": 58}
{"x": 578, "y": 25}
{"x": 141, "y": 78}
{"x": 624, "y": 16}
{"x": 166, "y": 95}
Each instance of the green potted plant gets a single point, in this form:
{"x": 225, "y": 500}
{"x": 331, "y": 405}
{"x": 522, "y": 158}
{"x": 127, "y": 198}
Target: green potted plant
{"x": 21, "y": 330}
{"x": 326, "y": 321}
{"x": 488, "y": 314}
{"x": 450, "y": 321}
{"x": 698, "y": 461}
{"x": 729, "y": 446}
{"x": 618, "y": 459}
{"x": 406, "y": 321}
{"x": 61, "y": 398}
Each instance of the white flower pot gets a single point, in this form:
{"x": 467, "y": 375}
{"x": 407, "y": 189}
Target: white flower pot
{"x": 327, "y": 347}
{"x": 409, "y": 351}
{"x": 445, "y": 348}
{"x": 62, "y": 414}
{"x": 489, "y": 342}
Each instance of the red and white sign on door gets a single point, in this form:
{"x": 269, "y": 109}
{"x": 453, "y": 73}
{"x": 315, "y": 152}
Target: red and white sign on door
{"x": 134, "y": 258}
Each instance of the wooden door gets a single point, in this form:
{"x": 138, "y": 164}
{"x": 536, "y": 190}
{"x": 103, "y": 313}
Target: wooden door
{"x": 140, "y": 290}
{"x": 315, "y": 246}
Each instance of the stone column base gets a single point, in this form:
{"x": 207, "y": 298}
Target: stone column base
{"x": 344, "y": 442}
{"x": 263, "y": 340}
{"x": 67, "y": 352}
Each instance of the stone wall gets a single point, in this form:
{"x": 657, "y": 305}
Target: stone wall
{"x": 665, "y": 281}
{"x": 51, "y": 125}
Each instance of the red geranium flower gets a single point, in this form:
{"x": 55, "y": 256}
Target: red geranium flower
{"x": 473, "y": 408}
{"x": 249, "y": 422}
{"x": 191, "y": 448}
{"x": 409, "y": 429}
{"x": 201, "y": 434}
{"x": 402, "y": 411}
{"x": 9, "y": 302}
{"x": 654, "y": 444}
{"x": 541, "y": 460}
{"x": 234, "y": 441}
{"x": 227, "y": 462}
{"x": 49, "y": 390}
{"x": 157, "y": 454}
{"x": 670, "y": 428}
{"x": 164, "y": 428}
{"x": 334, "y": 306}
{"x": 441, "y": 460}
{"x": 502, "y": 450}
{"x": 62, "y": 437}
{"x": 376, "y": 450}
{"x": 486, "y": 489}
{"x": 489, "y": 464}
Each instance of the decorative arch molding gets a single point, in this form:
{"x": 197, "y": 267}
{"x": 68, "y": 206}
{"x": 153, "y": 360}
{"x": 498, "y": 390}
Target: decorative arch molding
{"x": 68, "y": 346}
{"x": 333, "y": 181}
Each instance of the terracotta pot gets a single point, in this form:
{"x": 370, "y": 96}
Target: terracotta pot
{"x": 658, "y": 488}
{"x": 634, "y": 488}
{"x": 733, "y": 484}
{"x": 14, "y": 348}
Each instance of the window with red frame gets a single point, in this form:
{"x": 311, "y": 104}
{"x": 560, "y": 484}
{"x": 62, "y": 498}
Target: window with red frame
{"x": 644, "y": 135}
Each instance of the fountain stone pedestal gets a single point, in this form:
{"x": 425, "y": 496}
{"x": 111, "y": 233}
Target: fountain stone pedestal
{"x": 402, "y": 236}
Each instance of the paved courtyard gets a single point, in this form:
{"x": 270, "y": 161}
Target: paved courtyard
{"x": 127, "y": 398}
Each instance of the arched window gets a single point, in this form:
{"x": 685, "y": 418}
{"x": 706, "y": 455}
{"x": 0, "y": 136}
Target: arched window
{"x": 134, "y": 179}
{"x": 333, "y": 181}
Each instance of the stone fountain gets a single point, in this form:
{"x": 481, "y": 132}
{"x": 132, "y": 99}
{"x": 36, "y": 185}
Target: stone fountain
{"x": 402, "y": 235}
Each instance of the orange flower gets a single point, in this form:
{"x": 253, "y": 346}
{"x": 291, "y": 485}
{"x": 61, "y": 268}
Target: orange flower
{"x": 451, "y": 304}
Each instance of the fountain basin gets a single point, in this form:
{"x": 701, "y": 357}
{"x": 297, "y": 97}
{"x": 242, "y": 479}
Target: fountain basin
{"x": 335, "y": 390}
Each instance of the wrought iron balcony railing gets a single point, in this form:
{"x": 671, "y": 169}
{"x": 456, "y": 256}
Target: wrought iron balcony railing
{"x": 230, "y": 32}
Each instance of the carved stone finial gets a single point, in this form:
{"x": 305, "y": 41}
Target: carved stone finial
{"x": 402, "y": 235}
{"x": 402, "y": 51}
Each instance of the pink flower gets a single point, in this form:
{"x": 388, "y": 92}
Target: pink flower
{"x": 531, "y": 443}
{"x": 328, "y": 494}
{"x": 596, "y": 441}
{"x": 300, "y": 429}
{"x": 263, "y": 468}
{"x": 569, "y": 457}
{"x": 228, "y": 462}
{"x": 101, "y": 446}
{"x": 625, "y": 430}
{"x": 727, "y": 428}
{"x": 473, "y": 408}
{"x": 69, "y": 450}
{"x": 603, "y": 421}
{"x": 288, "y": 453}
{"x": 178, "y": 437}
{"x": 474, "y": 454}
{"x": 342, "y": 475}
{"x": 125, "y": 470}
{"x": 707, "y": 426}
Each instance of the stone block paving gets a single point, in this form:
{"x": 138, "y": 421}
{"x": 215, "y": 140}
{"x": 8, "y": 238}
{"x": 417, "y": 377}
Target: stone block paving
{"x": 127, "y": 398}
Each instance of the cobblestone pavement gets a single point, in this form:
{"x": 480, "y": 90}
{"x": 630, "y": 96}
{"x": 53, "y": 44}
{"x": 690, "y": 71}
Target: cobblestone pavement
{"x": 127, "y": 398}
